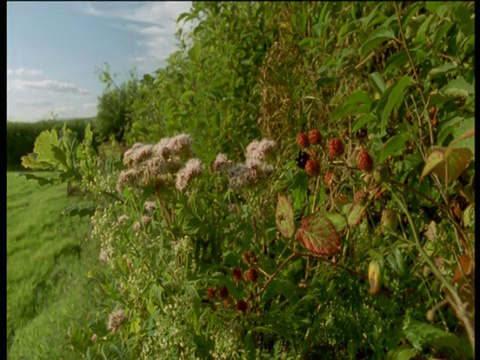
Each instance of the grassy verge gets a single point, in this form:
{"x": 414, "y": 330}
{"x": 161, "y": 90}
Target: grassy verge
{"x": 47, "y": 262}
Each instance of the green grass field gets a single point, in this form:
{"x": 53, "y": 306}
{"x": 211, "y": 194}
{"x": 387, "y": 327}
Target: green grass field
{"x": 47, "y": 262}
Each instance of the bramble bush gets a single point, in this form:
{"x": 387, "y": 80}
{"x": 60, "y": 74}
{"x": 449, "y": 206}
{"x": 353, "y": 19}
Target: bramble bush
{"x": 299, "y": 183}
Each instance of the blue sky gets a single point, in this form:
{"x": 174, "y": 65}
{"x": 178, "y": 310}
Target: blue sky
{"x": 55, "y": 48}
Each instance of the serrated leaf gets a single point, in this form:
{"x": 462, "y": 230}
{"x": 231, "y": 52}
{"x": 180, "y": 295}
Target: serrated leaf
{"x": 284, "y": 218}
{"x": 394, "y": 98}
{"x": 318, "y": 235}
{"x": 376, "y": 81}
{"x": 395, "y": 259}
{"x": 40, "y": 180}
{"x": 392, "y": 145}
{"x": 45, "y": 156}
{"x": 457, "y": 88}
{"x": 421, "y": 334}
{"x": 377, "y": 37}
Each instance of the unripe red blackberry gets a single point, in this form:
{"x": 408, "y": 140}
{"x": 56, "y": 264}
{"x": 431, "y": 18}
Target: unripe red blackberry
{"x": 251, "y": 275}
{"x": 364, "y": 161}
{"x": 335, "y": 147}
{"x": 302, "y": 140}
{"x": 312, "y": 167}
{"x": 223, "y": 293}
{"x": 237, "y": 274}
{"x": 315, "y": 137}
{"x": 241, "y": 306}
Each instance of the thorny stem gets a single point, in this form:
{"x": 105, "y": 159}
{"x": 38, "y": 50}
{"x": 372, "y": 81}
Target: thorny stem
{"x": 457, "y": 301}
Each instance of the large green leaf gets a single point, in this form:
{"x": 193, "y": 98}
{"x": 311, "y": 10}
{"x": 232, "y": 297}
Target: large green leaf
{"x": 318, "y": 235}
{"x": 394, "y": 98}
{"x": 402, "y": 352}
{"x": 284, "y": 217}
{"x": 44, "y": 150}
{"x": 421, "y": 334}
{"x": 447, "y": 163}
{"x": 457, "y": 88}
{"x": 377, "y": 37}
{"x": 392, "y": 145}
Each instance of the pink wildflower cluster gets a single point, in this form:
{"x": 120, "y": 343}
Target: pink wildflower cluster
{"x": 255, "y": 167}
{"x": 158, "y": 164}
{"x": 192, "y": 168}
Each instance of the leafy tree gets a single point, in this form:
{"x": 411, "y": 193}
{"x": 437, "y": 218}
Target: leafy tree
{"x": 113, "y": 117}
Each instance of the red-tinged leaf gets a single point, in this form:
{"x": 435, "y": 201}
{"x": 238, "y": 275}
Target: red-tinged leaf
{"x": 468, "y": 266}
{"x": 284, "y": 217}
{"x": 318, "y": 235}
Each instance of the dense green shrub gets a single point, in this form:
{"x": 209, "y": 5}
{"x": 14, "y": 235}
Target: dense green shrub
{"x": 114, "y": 107}
{"x": 228, "y": 243}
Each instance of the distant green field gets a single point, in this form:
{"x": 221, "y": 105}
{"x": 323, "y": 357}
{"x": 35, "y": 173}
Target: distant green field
{"x": 47, "y": 262}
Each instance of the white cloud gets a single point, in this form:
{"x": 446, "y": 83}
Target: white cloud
{"x": 24, "y": 71}
{"x": 50, "y": 85}
{"x": 90, "y": 105}
{"x": 34, "y": 103}
{"x": 155, "y": 22}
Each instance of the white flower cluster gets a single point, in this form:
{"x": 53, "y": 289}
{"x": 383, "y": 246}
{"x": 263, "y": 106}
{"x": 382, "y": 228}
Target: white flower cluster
{"x": 159, "y": 163}
{"x": 254, "y": 169}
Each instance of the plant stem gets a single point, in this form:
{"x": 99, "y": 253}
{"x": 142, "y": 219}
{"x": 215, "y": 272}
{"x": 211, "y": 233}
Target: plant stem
{"x": 457, "y": 301}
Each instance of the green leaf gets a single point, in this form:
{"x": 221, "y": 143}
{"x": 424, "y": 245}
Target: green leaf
{"x": 447, "y": 163}
{"x": 392, "y": 145}
{"x": 395, "y": 259}
{"x": 284, "y": 218}
{"x": 434, "y": 159}
{"x": 421, "y": 334}
{"x": 464, "y": 135}
{"x": 40, "y": 180}
{"x": 376, "y": 81}
{"x": 187, "y": 95}
{"x": 360, "y": 122}
{"x": 469, "y": 215}
{"x": 352, "y": 105}
{"x": 318, "y": 235}
{"x": 442, "y": 70}
{"x": 43, "y": 149}
{"x": 377, "y": 37}
{"x": 358, "y": 97}
{"x": 402, "y": 352}
{"x": 337, "y": 220}
{"x": 457, "y": 88}
{"x": 394, "y": 98}
{"x": 354, "y": 213}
